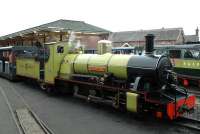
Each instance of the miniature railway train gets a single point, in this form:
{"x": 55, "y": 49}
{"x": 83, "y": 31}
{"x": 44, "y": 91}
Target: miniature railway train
{"x": 139, "y": 84}
{"x": 186, "y": 61}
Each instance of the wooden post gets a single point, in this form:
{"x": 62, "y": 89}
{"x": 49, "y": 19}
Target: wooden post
{"x": 44, "y": 38}
{"x": 61, "y": 36}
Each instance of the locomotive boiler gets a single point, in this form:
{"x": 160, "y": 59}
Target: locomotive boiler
{"x": 137, "y": 83}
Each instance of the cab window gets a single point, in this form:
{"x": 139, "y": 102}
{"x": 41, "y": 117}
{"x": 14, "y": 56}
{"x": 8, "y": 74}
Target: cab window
{"x": 60, "y": 49}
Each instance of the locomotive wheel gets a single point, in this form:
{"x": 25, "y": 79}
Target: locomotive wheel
{"x": 43, "y": 86}
{"x": 50, "y": 90}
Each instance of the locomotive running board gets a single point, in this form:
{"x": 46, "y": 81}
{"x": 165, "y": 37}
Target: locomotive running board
{"x": 100, "y": 87}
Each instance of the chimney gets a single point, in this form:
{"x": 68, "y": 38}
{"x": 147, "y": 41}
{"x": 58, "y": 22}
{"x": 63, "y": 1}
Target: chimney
{"x": 197, "y": 32}
{"x": 149, "y": 46}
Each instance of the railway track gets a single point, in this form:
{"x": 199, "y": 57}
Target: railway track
{"x": 197, "y": 93}
{"x": 24, "y": 117}
{"x": 189, "y": 123}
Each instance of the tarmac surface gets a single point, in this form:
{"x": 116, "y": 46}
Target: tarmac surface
{"x": 68, "y": 115}
{"x": 7, "y": 125}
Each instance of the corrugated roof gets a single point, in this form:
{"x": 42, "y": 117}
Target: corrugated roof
{"x": 191, "y": 38}
{"x": 63, "y": 25}
{"x": 160, "y": 34}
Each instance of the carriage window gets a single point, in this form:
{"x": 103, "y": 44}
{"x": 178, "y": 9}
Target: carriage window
{"x": 188, "y": 54}
{"x": 175, "y": 53}
{"x": 60, "y": 49}
{"x": 195, "y": 54}
{"x": 159, "y": 52}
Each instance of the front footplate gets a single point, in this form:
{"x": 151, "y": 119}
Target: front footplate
{"x": 181, "y": 106}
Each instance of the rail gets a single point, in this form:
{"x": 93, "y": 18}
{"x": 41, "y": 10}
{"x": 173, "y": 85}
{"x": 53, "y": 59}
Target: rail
{"x": 24, "y": 117}
{"x": 189, "y": 123}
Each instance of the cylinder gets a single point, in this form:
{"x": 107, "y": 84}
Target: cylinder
{"x": 149, "y": 47}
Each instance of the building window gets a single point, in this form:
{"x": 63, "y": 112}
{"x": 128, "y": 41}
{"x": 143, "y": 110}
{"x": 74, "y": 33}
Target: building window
{"x": 126, "y": 45}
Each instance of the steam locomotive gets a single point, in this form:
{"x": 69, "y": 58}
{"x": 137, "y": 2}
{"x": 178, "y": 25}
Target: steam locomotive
{"x": 139, "y": 84}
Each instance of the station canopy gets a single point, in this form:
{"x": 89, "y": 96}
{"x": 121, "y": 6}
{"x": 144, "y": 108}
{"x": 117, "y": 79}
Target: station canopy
{"x": 64, "y": 26}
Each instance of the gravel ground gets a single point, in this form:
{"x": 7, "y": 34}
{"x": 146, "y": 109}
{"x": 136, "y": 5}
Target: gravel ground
{"x": 65, "y": 114}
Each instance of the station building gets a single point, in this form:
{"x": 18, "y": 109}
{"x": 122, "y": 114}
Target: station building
{"x": 88, "y": 35}
{"x": 163, "y": 36}
{"x": 60, "y": 30}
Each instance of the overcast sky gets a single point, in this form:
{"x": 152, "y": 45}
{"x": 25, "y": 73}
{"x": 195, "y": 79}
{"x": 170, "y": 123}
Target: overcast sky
{"x": 114, "y": 15}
